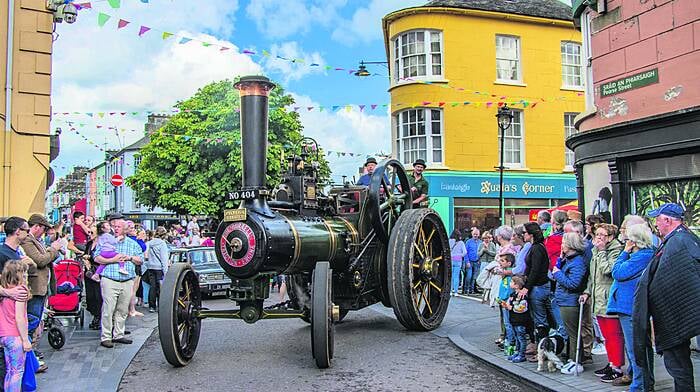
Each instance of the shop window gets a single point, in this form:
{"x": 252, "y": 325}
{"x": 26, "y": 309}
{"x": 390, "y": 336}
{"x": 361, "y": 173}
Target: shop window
{"x": 419, "y": 135}
{"x": 508, "y": 59}
{"x": 418, "y": 54}
{"x": 571, "y": 65}
{"x": 569, "y": 130}
{"x": 646, "y": 197}
{"x": 514, "y": 152}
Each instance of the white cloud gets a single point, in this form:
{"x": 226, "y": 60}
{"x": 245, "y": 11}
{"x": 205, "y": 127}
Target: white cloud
{"x": 105, "y": 69}
{"x": 365, "y": 25}
{"x": 276, "y": 19}
{"x": 364, "y": 133}
{"x": 293, "y": 70}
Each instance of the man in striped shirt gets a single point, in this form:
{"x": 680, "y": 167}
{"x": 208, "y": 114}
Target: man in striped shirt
{"x": 117, "y": 287}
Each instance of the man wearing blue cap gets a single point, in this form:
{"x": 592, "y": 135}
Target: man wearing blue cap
{"x": 668, "y": 292}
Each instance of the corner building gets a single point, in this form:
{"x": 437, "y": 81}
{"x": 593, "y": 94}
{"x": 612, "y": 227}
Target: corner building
{"x": 638, "y": 144}
{"x": 452, "y": 64}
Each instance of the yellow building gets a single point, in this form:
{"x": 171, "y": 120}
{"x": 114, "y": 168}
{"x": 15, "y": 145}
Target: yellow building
{"x": 453, "y": 63}
{"x": 26, "y": 42}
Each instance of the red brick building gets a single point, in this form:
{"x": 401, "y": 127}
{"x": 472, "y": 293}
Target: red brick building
{"x": 638, "y": 142}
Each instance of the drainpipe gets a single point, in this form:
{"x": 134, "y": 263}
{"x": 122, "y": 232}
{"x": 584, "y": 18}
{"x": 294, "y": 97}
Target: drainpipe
{"x": 6, "y": 156}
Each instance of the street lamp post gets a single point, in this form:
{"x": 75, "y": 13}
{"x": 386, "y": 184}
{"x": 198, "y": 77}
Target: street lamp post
{"x": 505, "y": 118}
{"x": 362, "y": 70}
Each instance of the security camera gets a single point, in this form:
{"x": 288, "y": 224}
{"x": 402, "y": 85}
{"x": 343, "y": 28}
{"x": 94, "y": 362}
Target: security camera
{"x": 52, "y": 5}
{"x": 67, "y": 12}
{"x": 70, "y": 13}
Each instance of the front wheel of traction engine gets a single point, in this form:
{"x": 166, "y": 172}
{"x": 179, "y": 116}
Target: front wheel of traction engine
{"x": 322, "y": 315}
{"x": 178, "y": 324}
{"x": 419, "y": 270}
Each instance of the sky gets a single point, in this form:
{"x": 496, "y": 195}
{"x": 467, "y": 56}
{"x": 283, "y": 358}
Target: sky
{"x": 111, "y": 68}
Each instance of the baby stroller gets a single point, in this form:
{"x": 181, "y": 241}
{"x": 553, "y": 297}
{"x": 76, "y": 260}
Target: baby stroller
{"x": 66, "y": 302}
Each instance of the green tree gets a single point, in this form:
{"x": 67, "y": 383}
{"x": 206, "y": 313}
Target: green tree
{"x": 192, "y": 161}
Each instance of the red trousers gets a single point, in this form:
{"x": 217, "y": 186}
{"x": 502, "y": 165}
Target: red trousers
{"x": 614, "y": 339}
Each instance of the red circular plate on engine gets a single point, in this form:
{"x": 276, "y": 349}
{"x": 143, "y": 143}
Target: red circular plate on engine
{"x": 245, "y": 233}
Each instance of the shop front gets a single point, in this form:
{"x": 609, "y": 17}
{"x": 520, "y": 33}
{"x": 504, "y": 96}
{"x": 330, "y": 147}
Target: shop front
{"x": 151, "y": 221}
{"x": 467, "y": 200}
{"x": 633, "y": 168}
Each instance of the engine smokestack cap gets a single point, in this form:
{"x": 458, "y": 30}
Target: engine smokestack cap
{"x": 254, "y": 85}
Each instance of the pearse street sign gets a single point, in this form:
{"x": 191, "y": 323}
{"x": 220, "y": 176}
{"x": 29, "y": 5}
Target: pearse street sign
{"x": 630, "y": 82}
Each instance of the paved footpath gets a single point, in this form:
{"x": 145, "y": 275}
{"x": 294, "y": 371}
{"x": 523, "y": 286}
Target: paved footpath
{"x": 83, "y": 365}
{"x": 474, "y": 326}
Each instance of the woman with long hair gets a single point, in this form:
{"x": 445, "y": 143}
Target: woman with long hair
{"x": 458, "y": 251}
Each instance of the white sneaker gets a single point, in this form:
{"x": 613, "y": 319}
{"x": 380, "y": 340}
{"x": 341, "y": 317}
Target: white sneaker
{"x": 599, "y": 349}
{"x": 571, "y": 368}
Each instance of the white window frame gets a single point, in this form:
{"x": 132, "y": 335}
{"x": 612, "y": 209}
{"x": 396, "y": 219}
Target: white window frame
{"x": 429, "y": 149}
{"x": 519, "y": 119}
{"x": 569, "y": 130}
{"x": 567, "y": 78}
{"x": 518, "y": 59}
{"x": 399, "y": 58}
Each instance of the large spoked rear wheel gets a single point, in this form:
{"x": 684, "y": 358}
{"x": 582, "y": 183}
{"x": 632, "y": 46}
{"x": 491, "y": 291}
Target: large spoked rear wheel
{"x": 419, "y": 270}
{"x": 178, "y": 324}
{"x": 322, "y": 315}
{"x": 388, "y": 196}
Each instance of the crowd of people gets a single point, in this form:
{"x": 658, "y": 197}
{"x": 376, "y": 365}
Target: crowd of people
{"x": 599, "y": 289}
{"x": 123, "y": 266}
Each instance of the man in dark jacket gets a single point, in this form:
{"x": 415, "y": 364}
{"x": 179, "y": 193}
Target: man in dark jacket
{"x": 675, "y": 269}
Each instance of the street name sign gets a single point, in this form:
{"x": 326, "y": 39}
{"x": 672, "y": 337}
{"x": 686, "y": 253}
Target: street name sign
{"x": 630, "y": 82}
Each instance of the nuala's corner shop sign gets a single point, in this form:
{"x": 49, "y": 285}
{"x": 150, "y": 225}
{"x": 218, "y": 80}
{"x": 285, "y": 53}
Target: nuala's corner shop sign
{"x": 487, "y": 186}
{"x": 631, "y": 82}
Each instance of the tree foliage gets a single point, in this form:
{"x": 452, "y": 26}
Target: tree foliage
{"x": 192, "y": 161}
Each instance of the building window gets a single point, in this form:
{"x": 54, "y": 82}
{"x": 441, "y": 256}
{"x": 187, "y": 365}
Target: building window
{"x": 571, "y": 66}
{"x": 569, "y": 130}
{"x": 508, "y": 58}
{"x": 419, "y": 135}
{"x": 514, "y": 151}
{"x": 137, "y": 162}
{"x": 418, "y": 54}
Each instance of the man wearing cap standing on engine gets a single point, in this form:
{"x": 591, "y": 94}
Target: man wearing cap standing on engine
{"x": 419, "y": 185}
{"x": 667, "y": 292}
{"x": 366, "y": 178}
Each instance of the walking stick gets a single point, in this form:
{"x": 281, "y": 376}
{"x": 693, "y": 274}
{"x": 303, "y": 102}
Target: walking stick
{"x": 578, "y": 334}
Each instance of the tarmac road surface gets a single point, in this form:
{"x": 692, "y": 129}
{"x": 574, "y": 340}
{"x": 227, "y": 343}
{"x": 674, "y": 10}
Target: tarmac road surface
{"x": 373, "y": 352}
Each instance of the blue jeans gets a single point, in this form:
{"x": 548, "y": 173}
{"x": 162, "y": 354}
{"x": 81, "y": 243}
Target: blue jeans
{"x": 520, "y": 339}
{"x": 542, "y": 304}
{"x": 510, "y": 335}
{"x": 35, "y": 308}
{"x": 476, "y": 266}
{"x": 456, "y": 267}
{"x": 637, "y": 372}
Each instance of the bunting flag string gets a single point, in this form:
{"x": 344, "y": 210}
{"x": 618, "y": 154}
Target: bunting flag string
{"x": 215, "y": 141}
{"x": 522, "y": 103}
{"x": 103, "y": 18}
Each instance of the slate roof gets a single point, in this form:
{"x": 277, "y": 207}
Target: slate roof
{"x": 551, "y": 9}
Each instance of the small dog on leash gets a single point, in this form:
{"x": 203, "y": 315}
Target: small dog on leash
{"x": 547, "y": 351}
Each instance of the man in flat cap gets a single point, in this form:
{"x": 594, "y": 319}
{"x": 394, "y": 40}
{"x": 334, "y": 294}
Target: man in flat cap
{"x": 366, "y": 178}
{"x": 668, "y": 292}
{"x": 40, "y": 271}
{"x": 419, "y": 185}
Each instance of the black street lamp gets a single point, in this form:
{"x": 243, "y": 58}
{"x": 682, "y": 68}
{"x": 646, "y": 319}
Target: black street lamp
{"x": 505, "y": 118}
{"x": 362, "y": 70}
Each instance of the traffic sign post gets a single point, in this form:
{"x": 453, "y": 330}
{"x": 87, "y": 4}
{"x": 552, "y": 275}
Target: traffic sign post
{"x": 116, "y": 180}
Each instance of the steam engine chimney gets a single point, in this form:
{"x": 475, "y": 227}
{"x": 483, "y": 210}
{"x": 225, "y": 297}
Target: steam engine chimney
{"x": 254, "y": 91}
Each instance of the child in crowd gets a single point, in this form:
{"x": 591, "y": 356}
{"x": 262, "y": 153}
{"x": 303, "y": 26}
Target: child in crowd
{"x": 14, "y": 335}
{"x": 506, "y": 262}
{"x": 107, "y": 243}
{"x": 519, "y": 317}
